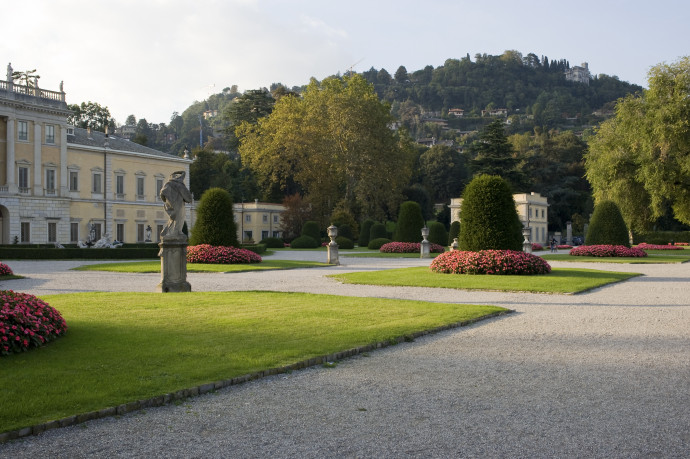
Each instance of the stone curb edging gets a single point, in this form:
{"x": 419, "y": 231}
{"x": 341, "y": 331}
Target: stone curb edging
{"x": 205, "y": 388}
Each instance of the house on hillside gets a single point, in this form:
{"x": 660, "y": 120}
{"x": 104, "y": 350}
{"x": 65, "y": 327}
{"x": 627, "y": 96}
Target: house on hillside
{"x": 61, "y": 184}
{"x": 497, "y": 112}
{"x": 578, "y": 74}
{"x": 456, "y": 112}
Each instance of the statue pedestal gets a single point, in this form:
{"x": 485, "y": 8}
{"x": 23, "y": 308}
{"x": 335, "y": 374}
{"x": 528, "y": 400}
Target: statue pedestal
{"x": 173, "y": 254}
{"x": 332, "y": 258}
{"x": 424, "y": 250}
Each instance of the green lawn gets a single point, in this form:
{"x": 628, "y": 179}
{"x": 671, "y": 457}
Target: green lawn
{"x": 560, "y": 280}
{"x": 652, "y": 258}
{"x": 122, "y": 347}
{"x": 155, "y": 266}
{"x": 377, "y": 254}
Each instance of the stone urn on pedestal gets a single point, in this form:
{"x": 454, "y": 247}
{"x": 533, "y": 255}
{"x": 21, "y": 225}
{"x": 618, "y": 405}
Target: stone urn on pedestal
{"x": 332, "y": 246}
{"x": 424, "y": 249}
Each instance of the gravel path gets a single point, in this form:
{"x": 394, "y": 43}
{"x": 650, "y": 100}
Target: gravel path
{"x": 601, "y": 374}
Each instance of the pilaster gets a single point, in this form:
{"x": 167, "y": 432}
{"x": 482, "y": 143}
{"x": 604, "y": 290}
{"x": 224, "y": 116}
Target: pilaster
{"x": 38, "y": 167}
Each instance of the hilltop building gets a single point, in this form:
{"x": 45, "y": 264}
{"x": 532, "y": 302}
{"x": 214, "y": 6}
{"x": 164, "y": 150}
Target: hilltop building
{"x": 578, "y": 74}
{"x": 61, "y": 184}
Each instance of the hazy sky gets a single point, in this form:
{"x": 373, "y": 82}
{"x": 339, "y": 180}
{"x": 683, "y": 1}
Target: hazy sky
{"x": 153, "y": 57}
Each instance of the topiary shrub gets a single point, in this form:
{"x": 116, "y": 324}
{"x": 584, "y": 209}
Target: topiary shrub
{"x": 344, "y": 242}
{"x": 205, "y": 253}
{"x": 376, "y": 244}
{"x": 364, "y": 232}
{"x": 607, "y": 226}
{"x": 305, "y": 242}
{"x": 454, "y": 232}
{"x": 378, "y": 231}
{"x": 489, "y": 262}
{"x": 345, "y": 231}
{"x": 437, "y": 233}
{"x": 410, "y": 223}
{"x": 341, "y": 218}
{"x": 27, "y": 322}
{"x": 273, "y": 242}
{"x": 214, "y": 224}
{"x": 311, "y": 229}
{"x": 488, "y": 215}
{"x": 409, "y": 247}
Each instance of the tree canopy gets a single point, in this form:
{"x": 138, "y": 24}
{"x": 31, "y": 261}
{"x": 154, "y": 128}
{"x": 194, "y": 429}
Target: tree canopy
{"x": 640, "y": 159}
{"x": 90, "y": 115}
{"x": 335, "y": 143}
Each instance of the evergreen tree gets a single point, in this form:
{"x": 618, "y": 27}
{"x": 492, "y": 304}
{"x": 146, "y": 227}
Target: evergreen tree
{"x": 410, "y": 223}
{"x": 214, "y": 224}
{"x": 437, "y": 233}
{"x": 607, "y": 226}
{"x": 493, "y": 155}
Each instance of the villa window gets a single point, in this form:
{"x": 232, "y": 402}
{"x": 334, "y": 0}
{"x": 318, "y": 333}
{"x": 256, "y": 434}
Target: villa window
{"x": 140, "y": 232}
{"x": 73, "y": 181}
{"x": 52, "y": 232}
{"x": 248, "y": 218}
{"x": 22, "y": 130}
{"x": 74, "y": 231}
{"x": 120, "y": 232}
{"x": 97, "y": 182}
{"x": 159, "y": 186}
{"x": 50, "y": 133}
{"x": 25, "y": 230}
{"x": 50, "y": 181}
{"x": 23, "y": 177}
{"x": 140, "y": 187}
{"x": 120, "y": 186}
{"x": 265, "y": 218}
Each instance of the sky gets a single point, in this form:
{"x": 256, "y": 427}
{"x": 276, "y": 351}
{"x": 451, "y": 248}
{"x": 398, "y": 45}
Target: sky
{"x": 150, "y": 58}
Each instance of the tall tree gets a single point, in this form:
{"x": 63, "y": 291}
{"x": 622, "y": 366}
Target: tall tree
{"x": 249, "y": 107}
{"x": 641, "y": 158}
{"x": 444, "y": 172}
{"x": 492, "y": 154}
{"x": 89, "y": 115}
{"x": 335, "y": 142}
{"x": 401, "y": 75}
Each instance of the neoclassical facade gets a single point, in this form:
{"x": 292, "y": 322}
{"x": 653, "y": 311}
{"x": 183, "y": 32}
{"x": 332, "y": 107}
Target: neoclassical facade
{"x": 64, "y": 184}
{"x": 532, "y": 208}
{"x": 258, "y": 220}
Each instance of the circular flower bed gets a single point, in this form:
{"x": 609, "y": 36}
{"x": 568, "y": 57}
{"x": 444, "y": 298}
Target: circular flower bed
{"x": 409, "y": 247}
{"x": 5, "y": 270}
{"x": 645, "y": 246}
{"x": 26, "y": 322}
{"x": 607, "y": 251}
{"x": 489, "y": 262}
{"x": 205, "y": 253}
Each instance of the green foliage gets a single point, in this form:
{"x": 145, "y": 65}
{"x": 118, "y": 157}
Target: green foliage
{"x": 454, "y": 232}
{"x": 345, "y": 231}
{"x": 641, "y": 158}
{"x": 344, "y": 242}
{"x": 90, "y": 115}
{"x": 410, "y": 223}
{"x": 365, "y": 231}
{"x": 378, "y": 231}
{"x": 304, "y": 242}
{"x": 488, "y": 216}
{"x": 311, "y": 229}
{"x": 437, "y": 233}
{"x": 444, "y": 172}
{"x": 492, "y": 154}
{"x": 214, "y": 224}
{"x": 607, "y": 226}
{"x": 421, "y": 196}
{"x": 658, "y": 237}
{"x": 273, "y": 242}
{"x": 375, "y": 244}
{"x": 341, "y": 218}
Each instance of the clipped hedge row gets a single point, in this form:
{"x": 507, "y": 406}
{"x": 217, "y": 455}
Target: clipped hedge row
{"x": 256, "y": 248}
{"x": 27, "y": 253}
{"x": 663, "y": 237}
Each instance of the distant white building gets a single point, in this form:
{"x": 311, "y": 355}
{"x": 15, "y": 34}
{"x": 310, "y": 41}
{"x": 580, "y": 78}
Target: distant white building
{"x": 578, "y": 74}
{"x": 532, "y": 209}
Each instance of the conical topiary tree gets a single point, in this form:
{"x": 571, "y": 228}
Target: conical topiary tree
{"x": 454, "y": 232}
{"x": 377, "y": 231}
{"x": 607, "y": 226}
{"x": 488, "y": 216}
{"x": 214, "y": 224}
{"x": 311, "y": 229}
{"x": 364, "y": 232}
{"x": 437, "y": 233}
{"x": 410, "y": 223}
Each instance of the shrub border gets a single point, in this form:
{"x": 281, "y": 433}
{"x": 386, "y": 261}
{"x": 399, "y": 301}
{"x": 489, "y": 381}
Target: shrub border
{"x": 213, "y": 386}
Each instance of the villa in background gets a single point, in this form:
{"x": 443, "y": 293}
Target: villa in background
{"x": 257, "y": 220}
{"x": 61, "y": 184}
{"x": 532, "y": 208}
{"x": 578, "y": 74}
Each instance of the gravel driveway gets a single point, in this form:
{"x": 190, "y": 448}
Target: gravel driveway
{"x": 600, "y": 374}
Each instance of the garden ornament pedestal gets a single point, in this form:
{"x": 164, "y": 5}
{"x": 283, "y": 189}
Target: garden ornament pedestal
{"x": 424, "y": 251}
{"x": 332, "y": 246}
{"x": 526, "y": 244}
{"x": 454, "y": 245}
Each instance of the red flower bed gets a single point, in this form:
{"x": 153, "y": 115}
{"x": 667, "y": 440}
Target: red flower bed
{"x": 682, "y": 243}
{"x": 564, "y": 246}
{"x": 5, "y": 270}
{"x": 205, "y": 253}
{"x": 645, "y": 246}
{"x": 489, "y": 262}
{"x": 409, "y": 247}
{"x": 537, "y": 246}
{"x": 26, "y": 322}
{"x": 607, "y": 251}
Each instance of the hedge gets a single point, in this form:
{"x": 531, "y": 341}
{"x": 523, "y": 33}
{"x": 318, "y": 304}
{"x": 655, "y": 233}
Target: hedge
{"x": 28, "y": 253}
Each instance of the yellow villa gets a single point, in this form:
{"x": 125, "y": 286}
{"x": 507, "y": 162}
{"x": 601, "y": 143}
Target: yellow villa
{"x": 61, "y": 184}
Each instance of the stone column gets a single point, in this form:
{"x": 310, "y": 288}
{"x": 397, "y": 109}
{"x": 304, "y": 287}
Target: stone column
{"x": 38, "y": 166}
{"x": 10, "y": 163}
{"x": 64, "y": 175}
{"x": 569, "y": 233}
{"x": 173, "y": 254}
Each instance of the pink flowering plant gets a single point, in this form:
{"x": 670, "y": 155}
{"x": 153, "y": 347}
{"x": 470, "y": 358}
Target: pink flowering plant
{"x": 564, "y": 247}
{"x": 205, "y": 253}
{"x": 27, "y": 322}
{"x": 607, "y": 251}
{"x": 645, "y": 246}
{"x": 409, "y": 247}
{"x": 5, "y": 270}
{"x": 489, "y": 262}
{"x": 537, "y": 246}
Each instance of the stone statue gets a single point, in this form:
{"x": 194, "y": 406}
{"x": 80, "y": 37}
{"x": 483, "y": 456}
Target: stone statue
{"x": 9, "y": 72}
{"x": 148, "y": 233}
{"x": 174, "y": 194}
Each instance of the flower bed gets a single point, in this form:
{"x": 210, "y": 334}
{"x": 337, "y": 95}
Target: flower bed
{"x": 205, "y": 253}
{"x": 537, "y": 246}
{"x": 409, "y": 247}
{"x": 26, "y": 322}
{"x": 5, "y": 270}
{"x": 489, "y": 262}
{"x": 645, "y": 246}
{"x": 607, "y": 251}
{"x": 682, "y": 244}
{"x": 564, "y": 247}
